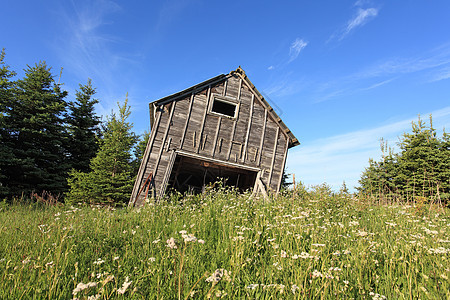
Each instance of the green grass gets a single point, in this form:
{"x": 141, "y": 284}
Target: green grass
{"x": 309, "y": 246}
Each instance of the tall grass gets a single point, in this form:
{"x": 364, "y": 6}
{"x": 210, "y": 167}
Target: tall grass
{"x": 310, "y": 245}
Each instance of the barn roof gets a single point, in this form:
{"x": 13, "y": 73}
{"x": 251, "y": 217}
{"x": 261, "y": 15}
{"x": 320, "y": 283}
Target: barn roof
{"x": 240, "y": 72}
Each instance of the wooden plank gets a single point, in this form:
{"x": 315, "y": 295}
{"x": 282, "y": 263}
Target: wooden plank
{"x": 217, "y": 161}
{"x": 216, "y": 136}
{"x": 167, "y": 174}
{"x": 262, "y": 137}
{"x": 283, "y": 164}
{"x": 235, "y": 121}
{"x": 204, "y": 119}
{"x": 224, "y": 88}
{"x": 144, "y": 161}
{"x": 273, "y": 156}
{"x": 248, "y": 129}
{"x": 187, "y": 121}
{"x": 158, "y": 159}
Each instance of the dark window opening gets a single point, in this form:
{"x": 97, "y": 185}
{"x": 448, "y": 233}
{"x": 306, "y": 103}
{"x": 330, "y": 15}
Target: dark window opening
{"x": 193, "y": 175}
{"x": 224, "y": 108}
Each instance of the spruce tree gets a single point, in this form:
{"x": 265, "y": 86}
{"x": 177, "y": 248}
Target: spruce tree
{"x": 35, "y": 125}
{"x": 6, "y": 97}
{"x": 111, "y": 178}
{"x": 83, "y": 127}
{"x": 139, "y": 150}
{"x": 418, "y": 162}
{"x": 420, "y": 169}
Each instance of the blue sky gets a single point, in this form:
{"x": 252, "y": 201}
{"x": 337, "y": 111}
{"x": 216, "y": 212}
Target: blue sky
{"x": 341, "y": 74}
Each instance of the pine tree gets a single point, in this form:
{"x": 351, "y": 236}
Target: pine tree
{"x": 83, "y": 127}
{"x": 111, "y": 178}
{"x": 35, "y": 127}
{"x": 139, "y": 151}
{"x": 418, "y": 162}
{"x": 420, "y": 169}
{"x": 6, "y": 96}
{"x": 443, "y": 168}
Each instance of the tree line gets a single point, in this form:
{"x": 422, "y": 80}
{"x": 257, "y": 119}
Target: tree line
{"x": 60, "y": 147}
{"x": 420, "y": 171}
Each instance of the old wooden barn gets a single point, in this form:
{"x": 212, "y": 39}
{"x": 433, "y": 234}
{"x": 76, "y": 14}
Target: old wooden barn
{"x": 220, "y": 128}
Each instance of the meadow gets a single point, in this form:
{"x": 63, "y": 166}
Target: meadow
{"x": 303, "y": 244}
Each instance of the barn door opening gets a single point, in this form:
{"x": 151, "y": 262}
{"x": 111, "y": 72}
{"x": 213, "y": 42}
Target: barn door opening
{"x": 193, "y": 175}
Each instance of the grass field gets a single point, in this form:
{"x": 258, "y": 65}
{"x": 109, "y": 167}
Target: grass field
{"x": 311, "y": 245}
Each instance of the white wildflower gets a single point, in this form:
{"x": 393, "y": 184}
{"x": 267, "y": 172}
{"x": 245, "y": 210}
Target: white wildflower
{"x": 316, "y": 274}
{"x": 125, "y": 286}
{"x": 252, "y": 286}
{"x": 99, "y": 261}
{"x": 361, "y": 233}
{"x": 81, "y": 287}
{"x": 294, "y": 288}
{"x": 171, "y": 243}
{"x": 25, "y": 261}
{"x": 218, "y": 275}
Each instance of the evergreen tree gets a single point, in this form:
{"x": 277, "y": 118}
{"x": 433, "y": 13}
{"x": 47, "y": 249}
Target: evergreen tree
{"x": 418, "y": 163}
{"x": 35, "y": 129}
{"x": 284, "y": 180}
{"x": 6, "y": 96}
{"x": 111, "y": 178}
{"x": 139, "y": 151}
{"x": 83, "y": 127}
{"x": 421, "y": 169}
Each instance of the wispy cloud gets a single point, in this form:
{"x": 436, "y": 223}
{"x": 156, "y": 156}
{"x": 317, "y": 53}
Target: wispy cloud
{"x": 296, "y": 47}
{"x": 434, "y": 65}
{"x": 360, "y": 18}
{"x": 343, "y": 157}
{"x": 88, "y": 52}
{"x": 441, "y": 74}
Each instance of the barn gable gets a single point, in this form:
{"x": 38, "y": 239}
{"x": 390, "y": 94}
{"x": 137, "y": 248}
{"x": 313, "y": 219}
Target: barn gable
{"x": 221, "y": 127}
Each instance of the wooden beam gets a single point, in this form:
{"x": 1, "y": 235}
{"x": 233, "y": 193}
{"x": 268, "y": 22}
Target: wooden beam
{"x": 204, "y": 119}
{"x": 183, "y": 136}
{"x": 216, "y": 136}
{"x": 167, "y": 174}
{"x": 224, "y": 88}
{"x": 169, "y": 119}
{"x": 261, "y": 144}
{"x": 233, "y": 130}
{"x": 248, "y": 129}
{"x": 283, "y": 165}
{"x": 217, "y": 161}
{"x": 273, "y": 156}
{"x": 144, "y": 161}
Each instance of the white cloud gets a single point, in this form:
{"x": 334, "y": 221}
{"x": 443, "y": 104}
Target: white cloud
{"x": 296, "y": 46}
{"x": 344, "y": 157}
{"x": 441, "y": 75}
{"x": 361, "y": 18}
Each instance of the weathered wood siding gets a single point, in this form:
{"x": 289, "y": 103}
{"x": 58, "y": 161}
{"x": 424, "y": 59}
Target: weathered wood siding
{"x": 253, "y": 138}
